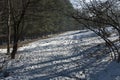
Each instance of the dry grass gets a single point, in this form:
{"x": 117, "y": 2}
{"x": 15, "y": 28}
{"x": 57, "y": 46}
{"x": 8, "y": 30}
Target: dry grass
{"x": 28, "y": 41}
{"x": 20, "y": 44}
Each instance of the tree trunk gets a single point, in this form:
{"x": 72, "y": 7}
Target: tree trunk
{"x": 15, "y": 44}
{"x": 14, "y": 51}
{"x": 118, "y": 60}
{"x": 9, "y": 27}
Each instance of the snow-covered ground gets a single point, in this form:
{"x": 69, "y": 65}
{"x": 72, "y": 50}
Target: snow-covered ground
{"x": 74, "y": 55}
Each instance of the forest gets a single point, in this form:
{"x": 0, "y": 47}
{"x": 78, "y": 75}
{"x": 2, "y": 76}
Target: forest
{"x": 40, "y": 18}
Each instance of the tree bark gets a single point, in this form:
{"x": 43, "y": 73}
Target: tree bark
{"x": 15, "y": 47}
{"x": 14, "y": 51}
{"x": 118, "y": 60}
{"x": 9, "y": 27}
{"x": 15, "y": 42}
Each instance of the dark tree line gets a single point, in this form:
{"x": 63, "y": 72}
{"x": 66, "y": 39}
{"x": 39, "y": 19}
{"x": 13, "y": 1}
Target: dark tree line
{"x": 21, "y": 19}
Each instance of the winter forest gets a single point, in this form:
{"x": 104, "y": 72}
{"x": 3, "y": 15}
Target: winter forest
{"x": 59, "y": 39}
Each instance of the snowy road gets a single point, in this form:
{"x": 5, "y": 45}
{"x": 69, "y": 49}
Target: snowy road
{"x": 74, "y": 55}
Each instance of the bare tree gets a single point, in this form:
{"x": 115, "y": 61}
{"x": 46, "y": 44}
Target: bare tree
{"x": 17, "y": 14}
{"x": 96, "y": 15}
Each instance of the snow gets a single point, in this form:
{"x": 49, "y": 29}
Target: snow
{"x": 74, "y": 55}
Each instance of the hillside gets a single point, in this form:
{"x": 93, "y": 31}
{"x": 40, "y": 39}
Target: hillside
{"x": 74, "y": 55}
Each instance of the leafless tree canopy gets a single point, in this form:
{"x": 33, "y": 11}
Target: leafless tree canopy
{"x": 96, "y": 15}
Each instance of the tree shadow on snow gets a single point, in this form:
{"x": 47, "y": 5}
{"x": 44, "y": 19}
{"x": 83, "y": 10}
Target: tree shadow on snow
{"x": 81, "y": 65}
